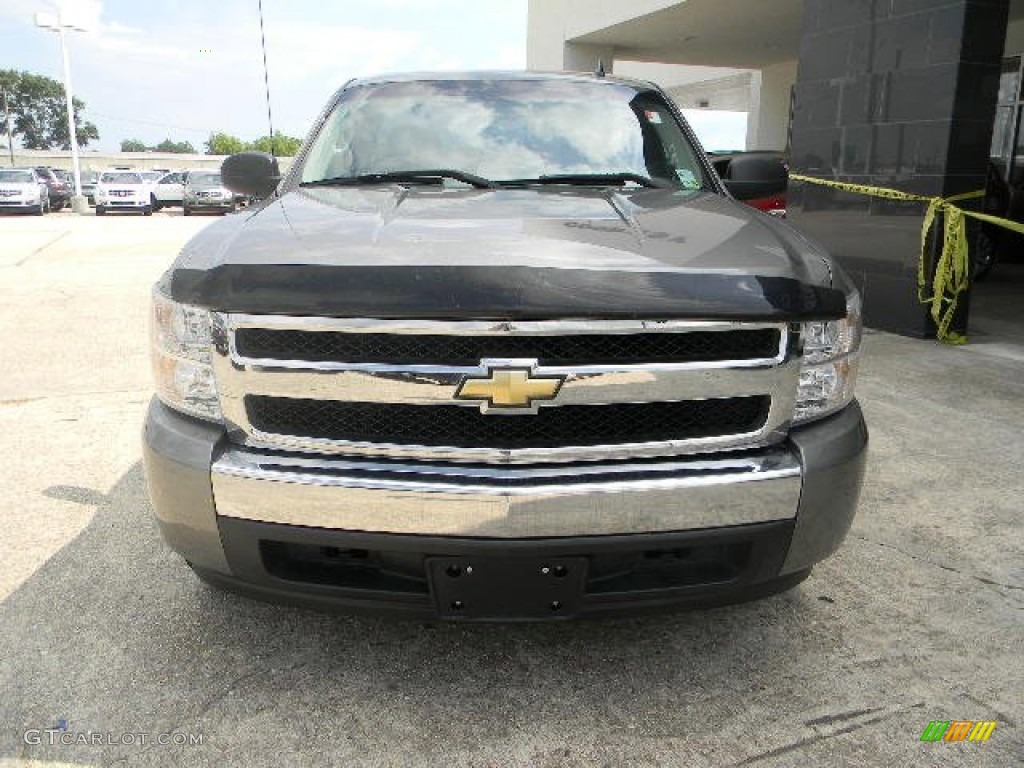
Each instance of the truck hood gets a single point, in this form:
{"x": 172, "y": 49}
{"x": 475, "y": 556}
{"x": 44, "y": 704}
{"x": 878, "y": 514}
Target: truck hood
{"x": 552, "y": 252}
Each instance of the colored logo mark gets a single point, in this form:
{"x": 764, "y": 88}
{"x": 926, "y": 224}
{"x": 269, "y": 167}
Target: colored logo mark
{"x": 958, "y": 730}
{"x": 509, "y": 387}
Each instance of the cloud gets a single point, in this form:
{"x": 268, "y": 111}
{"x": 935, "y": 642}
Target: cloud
{"x": 83, "y": 13}
{"x": 500, "y": 132}
{"x": 147, "y": 69}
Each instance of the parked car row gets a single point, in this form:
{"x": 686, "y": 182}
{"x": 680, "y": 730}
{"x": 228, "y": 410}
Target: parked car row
{"x": 148, "y": 191}
{"x": 36, "y": 189}
{"x": 39, "y": 190}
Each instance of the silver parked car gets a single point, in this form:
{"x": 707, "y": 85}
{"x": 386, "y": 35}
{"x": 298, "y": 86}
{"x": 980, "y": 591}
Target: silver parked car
{"x": 22, "y": 189}
{"x": 204, "y": 191}
{"x": 89, "y": 180}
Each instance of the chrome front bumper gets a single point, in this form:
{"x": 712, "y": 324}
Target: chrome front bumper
{"x": 768, "y": 514}
{"x": 507, "y": 503}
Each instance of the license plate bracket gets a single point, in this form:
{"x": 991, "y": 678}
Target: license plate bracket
{"x": 507, "y": 588}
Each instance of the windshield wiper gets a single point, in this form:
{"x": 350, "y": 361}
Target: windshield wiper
{"x": 429, "y": 176}
{"x": 595, "y": 180}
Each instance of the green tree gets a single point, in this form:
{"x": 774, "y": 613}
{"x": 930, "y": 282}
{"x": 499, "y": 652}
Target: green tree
{"x": 224, "y": 144}
{"x": 132, "y": 145}
{"x": 280, "y": 145}
{"x": 177, "y": 147}
{"x": 39, "y": 114}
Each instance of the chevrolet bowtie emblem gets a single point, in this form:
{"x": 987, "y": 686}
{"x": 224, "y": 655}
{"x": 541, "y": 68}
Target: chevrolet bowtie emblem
{"x": 509, "y": 388}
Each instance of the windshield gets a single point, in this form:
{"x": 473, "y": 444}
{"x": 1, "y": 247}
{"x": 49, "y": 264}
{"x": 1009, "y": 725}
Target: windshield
{"x": 504, "y": 130}
{"x": 151, "y": 175}
{"x": 204, "y": 180}
{"x": 16, "y": 177}
{"x": 120, "y": 178}
{"x": 89, "y": 177}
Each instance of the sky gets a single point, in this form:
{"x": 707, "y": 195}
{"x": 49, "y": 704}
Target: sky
{"x": 182, "y": 69}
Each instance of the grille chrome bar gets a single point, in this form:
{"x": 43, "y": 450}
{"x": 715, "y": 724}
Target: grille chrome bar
{"x": 431, "y": 384}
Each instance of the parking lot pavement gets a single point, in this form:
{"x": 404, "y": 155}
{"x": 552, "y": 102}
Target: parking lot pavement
{"x": 104, "y": 633}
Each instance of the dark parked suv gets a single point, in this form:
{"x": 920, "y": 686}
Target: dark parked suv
{"x": 502, "y": 346}
{"x": 60, "y": 189}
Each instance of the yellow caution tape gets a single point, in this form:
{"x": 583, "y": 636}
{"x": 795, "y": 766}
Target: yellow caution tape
{"x": 952, "y": 272}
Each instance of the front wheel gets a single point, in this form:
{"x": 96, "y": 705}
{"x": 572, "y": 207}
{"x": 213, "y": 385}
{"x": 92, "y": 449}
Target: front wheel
{"x": 154, "y": 203}
{"x": 101, "y": 211}
{"x": 147, "y": 211}
{"x": 186, "y": 211}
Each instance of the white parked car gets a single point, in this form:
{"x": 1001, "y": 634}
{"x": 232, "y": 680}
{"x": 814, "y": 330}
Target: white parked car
{"x": 123, "y": 191}
{"x": 21, "y": 189}
{"x": 169, "y": 190}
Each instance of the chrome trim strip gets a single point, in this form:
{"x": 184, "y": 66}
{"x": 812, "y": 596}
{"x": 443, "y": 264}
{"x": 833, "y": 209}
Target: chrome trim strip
{"x": 238, "y": 376}
{"x": 655, "y": 383}
{"x": 459, "y": 501}
{"x": 232, "y": 322}
{"x": 485, "y": 327}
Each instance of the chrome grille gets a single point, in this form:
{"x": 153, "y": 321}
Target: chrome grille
{"x": 386, "y": 388}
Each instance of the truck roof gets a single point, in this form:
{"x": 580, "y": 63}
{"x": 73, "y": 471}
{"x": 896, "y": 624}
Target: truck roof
{"x": 405, "y": 77}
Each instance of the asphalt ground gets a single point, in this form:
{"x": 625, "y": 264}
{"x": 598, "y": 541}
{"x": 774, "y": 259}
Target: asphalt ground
{"x": 106, "y": 638}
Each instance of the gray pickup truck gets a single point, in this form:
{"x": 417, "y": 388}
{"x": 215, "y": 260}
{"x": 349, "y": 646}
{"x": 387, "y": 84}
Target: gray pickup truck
{"x": 502, "y": 346}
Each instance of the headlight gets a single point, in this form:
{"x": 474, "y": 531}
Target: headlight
{"x": 182, "y": 339}
{"x": 829, "y": 369}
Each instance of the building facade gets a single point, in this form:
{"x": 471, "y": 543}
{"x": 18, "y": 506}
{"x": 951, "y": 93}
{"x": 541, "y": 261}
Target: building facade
{"x": 923, "y": 96}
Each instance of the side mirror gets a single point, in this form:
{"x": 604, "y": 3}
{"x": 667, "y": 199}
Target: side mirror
{"x": 255, "y": 174}
{"x": 748, "y": 177}
{"x": 751, "y": 190}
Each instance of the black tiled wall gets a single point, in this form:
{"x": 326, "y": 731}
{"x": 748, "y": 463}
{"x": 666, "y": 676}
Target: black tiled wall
{"x": 891, "y": 93}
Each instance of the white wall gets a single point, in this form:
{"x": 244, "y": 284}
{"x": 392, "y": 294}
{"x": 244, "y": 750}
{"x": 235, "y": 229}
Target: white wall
{"x": 732, "y": 93}
{"x": 768, "y": 117}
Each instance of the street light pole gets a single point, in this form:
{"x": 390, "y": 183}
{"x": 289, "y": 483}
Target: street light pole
{"x": 56, "y": 23}
{"x": 72, "y": 132}
{"x": 10, "y": 131}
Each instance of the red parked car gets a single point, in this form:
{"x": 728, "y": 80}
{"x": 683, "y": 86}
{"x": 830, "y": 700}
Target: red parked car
{"x": 60, "y": 188}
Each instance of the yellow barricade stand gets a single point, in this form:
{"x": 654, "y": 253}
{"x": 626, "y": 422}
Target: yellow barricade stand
{"x": 952, "y": 272}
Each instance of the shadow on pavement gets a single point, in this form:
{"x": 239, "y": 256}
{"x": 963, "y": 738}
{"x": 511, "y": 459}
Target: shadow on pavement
{"x": 115, "y": 636}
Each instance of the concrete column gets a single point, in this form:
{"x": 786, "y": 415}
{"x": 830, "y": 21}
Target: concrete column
{"x": 584, "y": 58}
{"x": 899, "y": 94}
{"x": 768, "y": 116}
{"x": 548, "y": 25}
